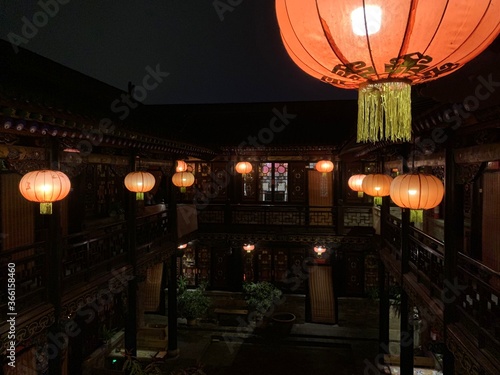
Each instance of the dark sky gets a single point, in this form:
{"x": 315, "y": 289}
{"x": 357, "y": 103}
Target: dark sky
{"x": 233, "y": 55}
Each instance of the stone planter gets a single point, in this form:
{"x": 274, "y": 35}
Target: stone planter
{"x": 282, "y": 323}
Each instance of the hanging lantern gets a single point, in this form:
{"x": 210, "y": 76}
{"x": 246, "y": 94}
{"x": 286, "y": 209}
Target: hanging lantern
{"x": 181, "y": 166}
{"x": 324, "y": 166}
{"x": 417, "y": 191}
{"x": 377, "y": 185}
{"x": 319, "y": 250}
{"x": 243, "y": 167}
{"x": 139, "y": 182}
{"x": 356, "y": 183}
{"x": 183, "y": 180}
{"x": 383, "y": 47}
{"x": 248, "y": 247}
{"x": 45, "y": 187}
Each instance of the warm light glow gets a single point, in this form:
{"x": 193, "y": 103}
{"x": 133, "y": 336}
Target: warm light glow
{"x": 243, "y": 167}
{"x": 45, "y": 187}
{"x": 183, "y": 180}
{"x": 324, "y": 166}
{"x": 417, "y": 191}
{"x": 183, "y": 246}
{"x": 319, "y": 249}
{"x": 372, "y": 22}
{"x": 181, "y": 166}
{"x": 381, "y": 48}
{"x": 248, "y": 247}
{"x": 356, "y": 182}
{"x": 139, "y": 182}
{"x": 377, "y": 185}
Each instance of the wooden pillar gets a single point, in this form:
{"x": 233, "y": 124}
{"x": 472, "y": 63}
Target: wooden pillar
{"x": 453, "y": 212}
{"x": 384, "y": 310}
{"x": 131, "y": 321}
{"x": 173, "y": 350}
{"x": 406, "y": 330}
{"x": 338, "y": 201}
{"x": 58, "y": 339}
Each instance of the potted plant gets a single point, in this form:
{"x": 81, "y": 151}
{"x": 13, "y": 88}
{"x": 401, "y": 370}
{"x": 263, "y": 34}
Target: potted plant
{"x": 261, "y": 298}
{"x": 191, "y": 303}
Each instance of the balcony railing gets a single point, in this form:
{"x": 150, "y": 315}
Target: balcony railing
{"x": 477, "y": 291}
{"x": 91, "y": 253}
{"x": 265, "y": 215}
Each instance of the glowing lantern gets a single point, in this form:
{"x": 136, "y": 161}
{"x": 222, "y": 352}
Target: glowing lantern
{"x": 182, "y": 246}
{"x": 382, "y": 47}
{"x": 243, "y": 167}
{"x": 356, "y": 183}
{"x": 319, "y": 250}
{"x": 45, "y": 187}
{"x": 181, "y": 166}
{"x": 183, "y": 180}
{"x": 139, "y": 183}
{"x": 377, "y": 185}
{"x": 248, "y": 247}
{"x": 417, "y": 191}
{"x": 324, "y": 166}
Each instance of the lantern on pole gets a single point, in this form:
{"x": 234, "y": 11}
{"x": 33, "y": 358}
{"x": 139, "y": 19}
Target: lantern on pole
{"x": 45, "y": 186}
{"x": 382, "y": 47}
{"x": 183, "y": 180}
{"x": 139, "y": 182}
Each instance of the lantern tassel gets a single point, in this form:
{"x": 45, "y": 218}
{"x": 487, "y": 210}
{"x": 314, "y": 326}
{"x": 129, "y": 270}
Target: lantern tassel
{"x": 416, "y": 216}
{"x": 384, "y": 111}
{"x": 46, "y": 208}
{"x": 377, "y": 201}
{"x": 139, "y": 196}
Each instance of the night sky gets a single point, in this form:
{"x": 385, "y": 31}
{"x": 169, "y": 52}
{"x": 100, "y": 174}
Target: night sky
{"x": 226, "y": 51}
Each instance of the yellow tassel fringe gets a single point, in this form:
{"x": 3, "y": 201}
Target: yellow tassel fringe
{"x": 384, "y": 112}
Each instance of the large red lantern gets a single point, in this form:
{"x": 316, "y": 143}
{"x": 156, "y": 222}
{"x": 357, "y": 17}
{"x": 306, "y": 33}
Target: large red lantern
{"x": 381, "y": 47}
{"x": 356, "y": 183}
{"x": 183, "y": 180}
{"x": 377, "y": 185}
{"x": 45, "y": 187}
{"x": 417, "y": 191}
{"x": 139, "y": 182}
{"x": 243, "y": 167}
{"x": 324, "y": 166}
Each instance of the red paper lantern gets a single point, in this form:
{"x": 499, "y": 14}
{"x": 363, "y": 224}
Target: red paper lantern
{"x": 417, "y": 191}
{"x": 183, "y": 180}
{"x": 324, "y": 166}
{"x": 45, "y": 187}
{"x": 181, "y": 166}
{"x": 356, "y": 182}
{"x": 377, "y": 185}
{"x": 243, "y": 167}
{"x": 139, "y": 182}
{"x": 381, "y": 47}
{"x": 248, "y": 247}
